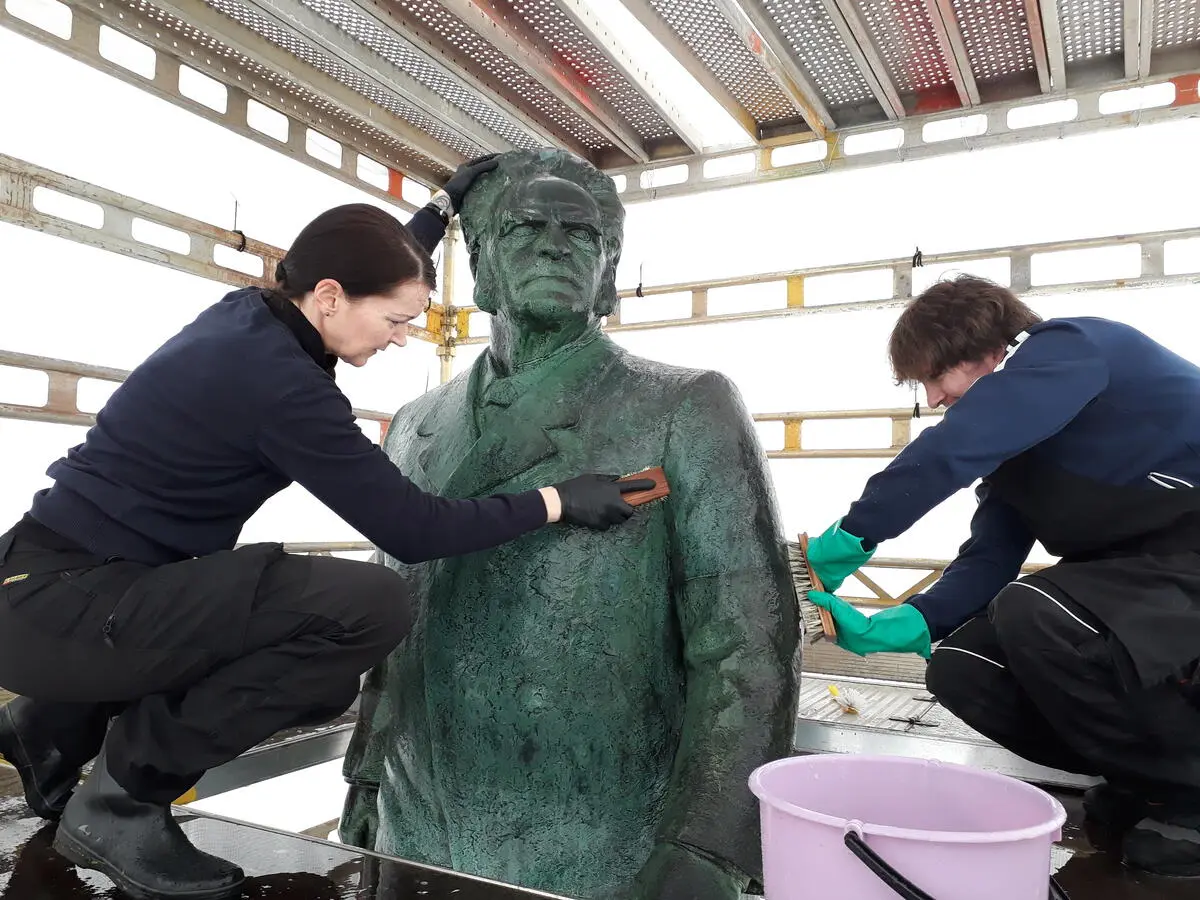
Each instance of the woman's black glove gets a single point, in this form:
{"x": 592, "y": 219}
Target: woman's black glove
{"x": 598, "y": 501}
{"x": 464, "y": 176}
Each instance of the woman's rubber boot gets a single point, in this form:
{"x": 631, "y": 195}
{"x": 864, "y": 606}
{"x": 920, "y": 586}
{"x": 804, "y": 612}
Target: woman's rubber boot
{"x": 47, "y": 779}
{"x": 139, "y": 845}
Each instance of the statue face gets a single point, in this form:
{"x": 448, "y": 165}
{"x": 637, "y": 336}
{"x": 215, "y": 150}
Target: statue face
{"x": 548, "y": 257}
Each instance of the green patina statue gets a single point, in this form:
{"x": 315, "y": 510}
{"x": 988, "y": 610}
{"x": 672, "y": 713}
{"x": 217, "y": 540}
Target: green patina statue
{"x": 579, "y": 711}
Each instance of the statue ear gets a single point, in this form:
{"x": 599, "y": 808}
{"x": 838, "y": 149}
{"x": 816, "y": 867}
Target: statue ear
{"x": 485, "y": 281}
{"x": 606, "y": 297}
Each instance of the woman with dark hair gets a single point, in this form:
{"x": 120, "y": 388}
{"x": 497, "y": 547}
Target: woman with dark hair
{"x": 1086, "y": 435}
{"x": 123, "y": 599}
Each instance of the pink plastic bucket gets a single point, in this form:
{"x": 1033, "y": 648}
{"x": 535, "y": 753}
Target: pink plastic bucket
{"x": 845, "y": 826}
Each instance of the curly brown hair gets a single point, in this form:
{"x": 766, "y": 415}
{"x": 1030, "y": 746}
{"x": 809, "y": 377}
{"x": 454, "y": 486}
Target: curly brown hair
{"x": 952, "y": 322}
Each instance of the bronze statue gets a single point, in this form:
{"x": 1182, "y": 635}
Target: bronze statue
{"x": 579, "y": 712}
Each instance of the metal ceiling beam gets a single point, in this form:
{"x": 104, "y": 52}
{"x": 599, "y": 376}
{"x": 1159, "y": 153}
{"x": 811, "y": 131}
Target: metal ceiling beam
{"x": 181, "y": 242}
{"x": 83, "y": 46}
{"x": 393, "y": 17}
{"x": 1139, "y": 37}
{"x": 581, "y": 14}
{"x": 954, "y": 49}
{"x": 19, "y": 184}
{"x": 762, "y": 39}
{"x": 848, "y": 21}
{"x": 1051, "y": 31}
{"x": 661, "y": 31}
{"x": 1037, "y": 40}
{"x": 523, "y": 47}
{"x": 246, "y": 42}
{"x": 291, "y": 15}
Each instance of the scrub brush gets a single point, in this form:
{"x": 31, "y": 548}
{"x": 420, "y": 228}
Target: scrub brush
{"x": 660, "y": 490}
{"x": 816, "y": 622}
{"x": 849, "y": 699}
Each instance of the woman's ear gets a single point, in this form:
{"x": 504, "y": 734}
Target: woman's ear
{"x": 328, "y": 296}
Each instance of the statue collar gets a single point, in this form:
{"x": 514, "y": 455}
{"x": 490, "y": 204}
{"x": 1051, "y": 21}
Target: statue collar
{"x": 502, "y": 390}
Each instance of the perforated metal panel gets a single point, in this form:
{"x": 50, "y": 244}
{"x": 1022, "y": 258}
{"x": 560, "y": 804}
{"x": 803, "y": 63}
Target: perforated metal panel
{"x": 996, "y": 33}
{"x": 554, "y": 27}
{"x": 305, "y": 51}
{"x": 1176, "y": 22}
{"x": 819, "y": 50}
{"x": 707, "y": 32}
{"x": 280, "y": 82}
{"x": 510, "y": 76}
{"x": 905, "y": 37}
{"x": 1091, "y": 28}
{"x": 402, "y": 55}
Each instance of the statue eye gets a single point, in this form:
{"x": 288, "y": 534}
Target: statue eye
{"x": 523, "y": 229}
{"x": 586, "y": 235}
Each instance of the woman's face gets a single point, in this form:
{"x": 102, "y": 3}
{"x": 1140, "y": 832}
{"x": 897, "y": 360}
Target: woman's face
{"x": 355, "y": 330}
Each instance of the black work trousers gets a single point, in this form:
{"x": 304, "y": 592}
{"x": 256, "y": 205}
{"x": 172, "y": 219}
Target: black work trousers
{"x": 1042, "y": 677}
{"x": 193, "y": 662}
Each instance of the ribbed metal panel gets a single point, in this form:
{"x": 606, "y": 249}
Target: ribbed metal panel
{"x": 553, "y": 26}
{"x": 253, "y": 72}
{"x": 820, "y": 51}
{"x": 1091, "y": 28}
{"x": 906, "y": 40}
{"x": 388, "y": 45}
{"x": 305, "y": 51}
{"x": 708, "y": 33}
{"x": 1176, "y": 23}
{"x": 504, "y": 70}
{"x": 996, "y": 34}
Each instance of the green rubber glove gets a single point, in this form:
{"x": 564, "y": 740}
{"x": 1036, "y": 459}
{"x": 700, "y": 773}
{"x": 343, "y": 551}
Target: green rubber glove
{"x": 898, "y": 629}
{"x": 836, "y": 555}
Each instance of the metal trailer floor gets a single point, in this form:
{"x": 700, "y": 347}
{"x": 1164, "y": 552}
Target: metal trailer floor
{"x": 899, "y": 719}
{"x": 284, "y": 866}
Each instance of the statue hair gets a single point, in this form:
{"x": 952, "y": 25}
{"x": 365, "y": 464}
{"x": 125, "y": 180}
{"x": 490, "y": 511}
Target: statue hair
{"x": 483, "y": 202}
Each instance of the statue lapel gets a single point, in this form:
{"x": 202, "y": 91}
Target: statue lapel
{"x": 551, "y": 401}
{"x": 447, "y": 433}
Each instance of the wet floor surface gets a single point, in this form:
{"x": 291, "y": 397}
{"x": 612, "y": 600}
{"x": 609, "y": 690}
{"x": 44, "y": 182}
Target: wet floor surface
{"x": 290, "y": 867}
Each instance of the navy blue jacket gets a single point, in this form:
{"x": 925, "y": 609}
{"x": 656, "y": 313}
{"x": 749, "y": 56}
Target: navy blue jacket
{"x": 237, "y": 406}
{"x": 1099, "y": 399}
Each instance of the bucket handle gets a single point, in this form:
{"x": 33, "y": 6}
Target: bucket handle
{"x": 897, "y": 882}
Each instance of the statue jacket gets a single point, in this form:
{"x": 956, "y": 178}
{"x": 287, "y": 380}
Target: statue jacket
{"x": 568, "y": 700}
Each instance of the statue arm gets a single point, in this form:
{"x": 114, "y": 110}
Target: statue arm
{"x": 738, "y": 615}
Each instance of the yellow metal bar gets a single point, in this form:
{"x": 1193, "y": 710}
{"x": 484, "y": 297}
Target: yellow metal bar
{"x": 791, "y": 434}
{"x": 795, "y": 292}
{"x": 464, "y": 323}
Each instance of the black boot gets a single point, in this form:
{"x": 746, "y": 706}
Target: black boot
{"x": 1113, "y": 808}
{"x": 47, "y": 779}
{"x": 1166, "y": 842}
{"x": 139, "y": 845}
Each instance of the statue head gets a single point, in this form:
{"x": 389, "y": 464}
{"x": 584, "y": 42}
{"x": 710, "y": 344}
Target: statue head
{"x": 544, "y": 232}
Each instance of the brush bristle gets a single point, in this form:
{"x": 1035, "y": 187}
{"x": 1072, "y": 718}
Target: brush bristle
{"x": 811, "y": 629}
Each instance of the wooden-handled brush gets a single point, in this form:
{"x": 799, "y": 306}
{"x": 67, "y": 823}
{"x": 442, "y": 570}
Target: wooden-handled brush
{"x": 817, "y": 622}
{"x": 660, "y": 490}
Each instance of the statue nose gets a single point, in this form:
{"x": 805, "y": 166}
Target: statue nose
{"x": 554, "y": 241}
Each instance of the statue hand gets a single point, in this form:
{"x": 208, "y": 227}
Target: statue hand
{"x": 598, "y": 501}
{"x": 360, "y": 817}
{"x": 675, "y": 873}
{"x": 464, "y": 176}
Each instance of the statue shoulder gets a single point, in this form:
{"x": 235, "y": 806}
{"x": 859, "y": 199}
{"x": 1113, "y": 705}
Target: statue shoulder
{"x": 417, "y": 410}
{"x": 708, "y": 392}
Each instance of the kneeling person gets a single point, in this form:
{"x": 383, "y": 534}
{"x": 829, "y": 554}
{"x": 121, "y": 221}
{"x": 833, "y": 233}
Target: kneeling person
{"x": 1086, "y": 435}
